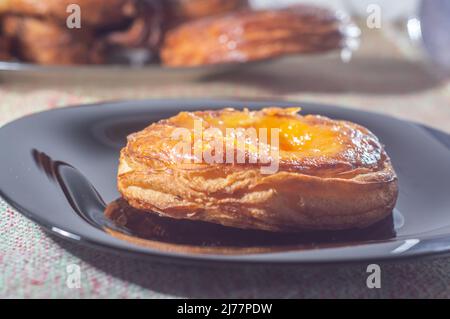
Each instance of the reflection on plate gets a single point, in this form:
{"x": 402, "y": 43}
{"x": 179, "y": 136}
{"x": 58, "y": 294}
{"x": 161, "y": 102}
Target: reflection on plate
{"x": 151, "y": 230}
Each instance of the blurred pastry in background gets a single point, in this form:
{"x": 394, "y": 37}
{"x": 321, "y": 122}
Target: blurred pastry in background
{"x": 176, "y": 32}
{"x": 179, "y": 11}
{"x": 5, "y": 48}
{"x": 144, "y": 31}
{"x": 108, "y": 29}
{"x": 95, "y": 13}
{"x": 46, "y": 42}
{"x": 253, "y": 35}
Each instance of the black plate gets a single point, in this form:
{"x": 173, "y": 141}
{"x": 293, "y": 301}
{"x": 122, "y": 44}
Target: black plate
{"x": 59, "y": 169}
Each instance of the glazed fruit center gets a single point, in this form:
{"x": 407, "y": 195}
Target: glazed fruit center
{"x": 295, "y": 134}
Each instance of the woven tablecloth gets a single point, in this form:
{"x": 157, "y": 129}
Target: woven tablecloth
{"x": 34, "y": 264}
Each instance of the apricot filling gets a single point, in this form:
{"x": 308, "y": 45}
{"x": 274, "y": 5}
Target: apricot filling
{"x": 301, "y": 143}
{"x": 295, "y": 133}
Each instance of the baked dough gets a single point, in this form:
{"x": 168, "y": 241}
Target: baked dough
{"x": 5, "y": 48}
{"x": 253, "y": 35}
{"x": 332, "y": 174}
{"x": 179, "y": 11}
{"x": 109, "y": 30}
{"x": 95, "y": 13}
{"x": 48, "y": 43}
{"x": 144, "y": 31}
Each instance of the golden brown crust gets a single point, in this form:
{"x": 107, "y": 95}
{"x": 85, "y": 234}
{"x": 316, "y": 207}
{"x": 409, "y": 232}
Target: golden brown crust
{"x": 252, "y": 35}
{"x": 5, "y": 48}
{"x": 47, "y": 42}
{"x": 95, "y": 13}
{"x": 341, "y": 183}
{"x": 5, "y": 44}
{"x": 179, "y": 11}
{"x": 144, "y": 31}
{"x": 112, "y": 27}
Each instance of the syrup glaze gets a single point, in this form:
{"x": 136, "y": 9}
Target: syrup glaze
{"x": 151, "y": 230}
{"x": 310, "y": 144}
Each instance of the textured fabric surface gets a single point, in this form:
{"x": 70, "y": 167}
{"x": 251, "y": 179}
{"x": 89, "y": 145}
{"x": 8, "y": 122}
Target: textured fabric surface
{"x": 34, "y": 264}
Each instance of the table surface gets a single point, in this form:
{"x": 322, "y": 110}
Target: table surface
{"x": 383, "y": 76}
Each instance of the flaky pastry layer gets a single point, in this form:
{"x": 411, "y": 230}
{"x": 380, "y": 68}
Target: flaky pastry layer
{"x": 253, "y": 35}
{"x": 331, "y": 175}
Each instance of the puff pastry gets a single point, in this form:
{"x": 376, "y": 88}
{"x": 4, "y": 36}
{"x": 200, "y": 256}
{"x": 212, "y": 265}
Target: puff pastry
{"x": 331, "y": 174}
{"x": 5, "y": 48}
{"x": 179, "y": 11}
{"x": 253, "y": 35}
{"x": 95, "y": 13}
{"x": 45, "y": 42}
{"x": 144, "y": 31}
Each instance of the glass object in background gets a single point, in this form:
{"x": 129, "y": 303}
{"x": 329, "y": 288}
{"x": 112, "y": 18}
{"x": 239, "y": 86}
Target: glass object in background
{"x": 390, "y": 10}
{"x": 434, "y": 17}
{"x": 421, "y": 28}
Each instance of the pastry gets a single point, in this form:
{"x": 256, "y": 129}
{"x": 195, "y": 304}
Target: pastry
{"x": 46, "y": 42}
{"x": 304, "y": 173}
{"x": 94, "y": 13}
{"x": 179, "y": 11}
{"x": 5, "y": 44}
{"x": 252, "y": 35}
{"x": 144, "y": 31}
{"x": 109, "y": 29}
{"x": 5, "y": 48}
